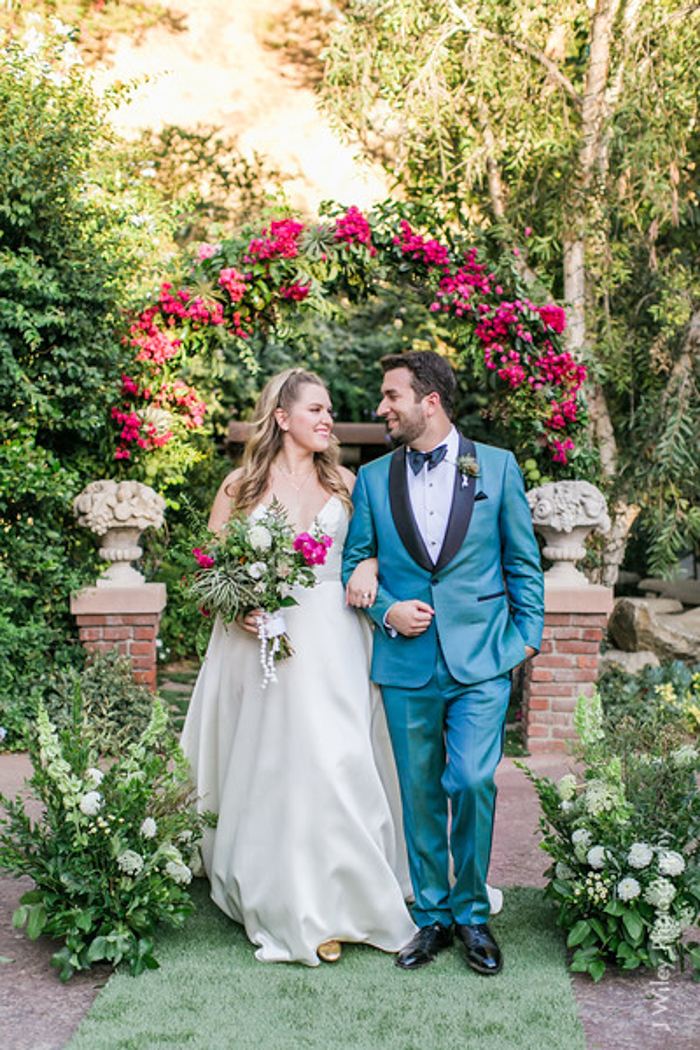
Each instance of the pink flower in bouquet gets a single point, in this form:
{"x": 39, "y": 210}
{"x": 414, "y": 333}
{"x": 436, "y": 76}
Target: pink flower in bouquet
{"x": 313, "y": 550}
{"x": 203, "y": 560}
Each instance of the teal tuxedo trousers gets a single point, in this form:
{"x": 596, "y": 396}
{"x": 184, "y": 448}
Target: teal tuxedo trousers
{"x": 448, "y": 740}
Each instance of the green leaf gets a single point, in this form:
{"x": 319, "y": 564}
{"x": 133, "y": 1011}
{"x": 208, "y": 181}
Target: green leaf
{"x": 598, "y": 928}
{"x": 84, "y": 920}
{"x": 19, "y": 917}
{"x": 99, "y": 949}
{"x": 5, "y": 959}
{"x": 579, "y": 933}
{"x": 597, "y": 969}
{"x": 634, "y": 927}
{"x": 62, "y": 960}
{"x": 36, "y": 920}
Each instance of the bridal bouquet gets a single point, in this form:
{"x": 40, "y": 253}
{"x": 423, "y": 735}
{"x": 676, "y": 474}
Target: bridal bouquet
{"x": 255, "y": 564}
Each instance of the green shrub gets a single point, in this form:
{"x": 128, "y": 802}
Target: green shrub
{"x": 624, "y": 842}
{"x": 73, "y": 248}
{"x": 110, "y": 855}
{"x": 654, "y": 698}
{"x": 115, "y": 709}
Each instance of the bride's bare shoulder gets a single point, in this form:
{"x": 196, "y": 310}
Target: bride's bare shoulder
{"x": 348, "y": 478}
{"x": 222, "y": 506}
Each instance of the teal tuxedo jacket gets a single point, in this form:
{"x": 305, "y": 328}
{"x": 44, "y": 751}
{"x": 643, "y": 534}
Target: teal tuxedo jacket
{"x": 486, "y": 587}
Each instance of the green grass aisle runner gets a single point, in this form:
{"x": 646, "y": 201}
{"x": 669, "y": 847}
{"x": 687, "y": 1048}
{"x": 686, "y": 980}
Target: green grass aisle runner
{"x": 211, "y": 994}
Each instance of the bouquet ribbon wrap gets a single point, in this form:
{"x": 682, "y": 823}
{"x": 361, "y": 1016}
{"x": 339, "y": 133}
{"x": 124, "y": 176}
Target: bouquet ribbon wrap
{"x": 271, "y": 629}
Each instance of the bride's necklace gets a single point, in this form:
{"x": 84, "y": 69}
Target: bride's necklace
{"x": 289, "y": 475}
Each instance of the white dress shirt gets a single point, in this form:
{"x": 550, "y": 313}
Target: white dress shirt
{"x": 430, "y": 493}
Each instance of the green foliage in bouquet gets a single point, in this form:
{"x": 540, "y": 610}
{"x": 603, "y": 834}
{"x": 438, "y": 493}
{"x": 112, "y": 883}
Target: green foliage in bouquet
{"x": 116, "y": 709}
{"x": 111, "y": 853}
{"x": 624, "y": 842}
{"x": 255, "y": 564}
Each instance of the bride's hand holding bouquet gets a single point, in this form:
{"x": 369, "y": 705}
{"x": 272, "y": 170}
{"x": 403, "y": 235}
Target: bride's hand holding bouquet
{"x": 248, "y": 572}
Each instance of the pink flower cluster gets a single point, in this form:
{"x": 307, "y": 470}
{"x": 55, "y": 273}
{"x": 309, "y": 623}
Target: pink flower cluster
{"x": 353, "y": 228}
{"x": 313, "y": 550}
{"x": 296, "y": 292}
{"x": 281, "y": 240}
{"x": 456, "y": 289}
{"x": 506, "y": 333}
{"x": 183, "y": 307}
{"x": 156, "y": 345}
{"x": 553, "y": 317}
{"x": 134, "y": 428}
{"x": 560, "y": 449}
{"x": 175, "y": 397}
{"x": 234, "y": 283}
{"x": 182, "y": 399}
{"x": 205, "y": 561}
{"x": 429, "y": 252}
{"x": 206, "y": 251}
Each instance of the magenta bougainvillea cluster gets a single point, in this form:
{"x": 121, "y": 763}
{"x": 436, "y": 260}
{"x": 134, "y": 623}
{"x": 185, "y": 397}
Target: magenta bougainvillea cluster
{"x": 291, "y": 265}
{"x": 518, "y": 338}
{"x": 155, "y": 402}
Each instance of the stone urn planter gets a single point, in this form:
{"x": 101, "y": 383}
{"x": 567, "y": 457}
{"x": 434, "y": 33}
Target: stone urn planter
{"x": 564, "y": 513}
{"x": 119, "y": 512}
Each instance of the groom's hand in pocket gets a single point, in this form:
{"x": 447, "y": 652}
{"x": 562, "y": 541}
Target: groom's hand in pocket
{"x": 410, "y": 618}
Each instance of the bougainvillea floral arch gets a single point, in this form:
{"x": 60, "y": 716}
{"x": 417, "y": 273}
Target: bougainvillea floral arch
{"x": 292, "y": 266}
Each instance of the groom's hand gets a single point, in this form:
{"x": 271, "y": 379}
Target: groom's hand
{"x": 410, "y": 618}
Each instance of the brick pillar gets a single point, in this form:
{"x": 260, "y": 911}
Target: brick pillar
{"x": 567, "y": 666}
{"x": 125, "y": 618}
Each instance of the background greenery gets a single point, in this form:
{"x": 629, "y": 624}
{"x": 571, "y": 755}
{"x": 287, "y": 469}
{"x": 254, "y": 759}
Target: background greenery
{"x": 576, "y": 121}
{"x": 481, "y": 112}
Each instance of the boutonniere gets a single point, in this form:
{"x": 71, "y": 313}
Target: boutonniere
{"x": 468, "y": 468}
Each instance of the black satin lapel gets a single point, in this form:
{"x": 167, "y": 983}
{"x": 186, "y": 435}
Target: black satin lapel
{"x": 402, "y": 512}
{"x": 461, "y": 512}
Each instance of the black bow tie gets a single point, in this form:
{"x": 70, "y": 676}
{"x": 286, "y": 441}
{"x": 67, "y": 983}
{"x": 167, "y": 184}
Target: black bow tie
{"x": 418, "y": 459}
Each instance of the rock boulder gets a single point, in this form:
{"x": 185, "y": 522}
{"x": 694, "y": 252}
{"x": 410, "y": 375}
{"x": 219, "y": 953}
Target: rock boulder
{"x": 637, "y": 624}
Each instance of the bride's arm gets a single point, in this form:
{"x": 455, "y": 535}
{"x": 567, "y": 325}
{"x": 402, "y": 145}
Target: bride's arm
{"x": 222, "y": 506}
{"x": 361, "y": 589}
{"x": 220, "y": 515}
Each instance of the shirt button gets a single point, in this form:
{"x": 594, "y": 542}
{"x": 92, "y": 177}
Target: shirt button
{"x": 430, "y": 513}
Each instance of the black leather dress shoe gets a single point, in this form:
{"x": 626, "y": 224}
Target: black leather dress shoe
{"x": 483, "y": 954}
{"x": 424, "y": 946}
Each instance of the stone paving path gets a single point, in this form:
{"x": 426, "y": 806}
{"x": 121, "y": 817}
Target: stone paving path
{"x": 631, "y": 1012}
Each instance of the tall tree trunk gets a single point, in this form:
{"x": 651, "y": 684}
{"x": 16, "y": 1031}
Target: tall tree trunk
{"x": 601, "y": 91}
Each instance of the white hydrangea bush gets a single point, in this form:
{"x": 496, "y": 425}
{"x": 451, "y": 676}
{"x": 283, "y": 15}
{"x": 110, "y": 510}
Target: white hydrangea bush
{"x": 123, "y": 832}
{"x": 625, "y": 870}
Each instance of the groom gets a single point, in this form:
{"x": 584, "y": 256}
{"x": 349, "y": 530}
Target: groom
{"x": 459, "y": 605}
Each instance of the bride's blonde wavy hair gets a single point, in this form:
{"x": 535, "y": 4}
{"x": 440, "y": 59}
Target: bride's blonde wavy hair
{"x": 265, "y": 444}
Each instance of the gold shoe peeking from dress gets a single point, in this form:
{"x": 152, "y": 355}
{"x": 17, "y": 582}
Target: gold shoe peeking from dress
{"x": 329, "y": 951}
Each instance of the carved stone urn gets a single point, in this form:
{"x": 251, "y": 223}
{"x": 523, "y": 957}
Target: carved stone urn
{"x": 564, "y": 513}
{"x": 118, "y": 512}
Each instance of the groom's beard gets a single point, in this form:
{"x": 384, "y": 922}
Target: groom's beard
{"x": 408, "y": 430}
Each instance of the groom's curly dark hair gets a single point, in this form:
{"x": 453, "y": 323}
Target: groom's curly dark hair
{"x": 430, "y": 373}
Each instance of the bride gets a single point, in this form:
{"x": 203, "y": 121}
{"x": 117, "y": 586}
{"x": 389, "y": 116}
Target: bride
{"x": 308, "y": 850}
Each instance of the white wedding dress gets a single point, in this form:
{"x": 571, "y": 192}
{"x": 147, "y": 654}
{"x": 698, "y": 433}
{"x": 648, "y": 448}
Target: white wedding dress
{"x": 309, "y": 844}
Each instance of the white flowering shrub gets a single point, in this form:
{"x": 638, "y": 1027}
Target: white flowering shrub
{"x": 111, "y": 857}
{"x": 623, "y": 839}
